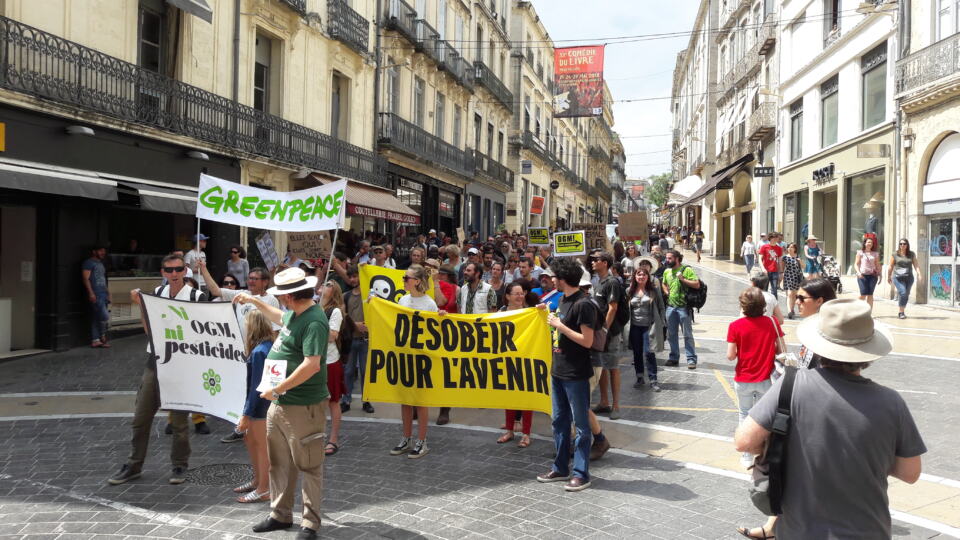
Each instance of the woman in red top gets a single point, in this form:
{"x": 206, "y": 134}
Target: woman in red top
{"x": 443, "y": 276}
{"x": 752, "y": 341}
{"x": 518, "y": 297}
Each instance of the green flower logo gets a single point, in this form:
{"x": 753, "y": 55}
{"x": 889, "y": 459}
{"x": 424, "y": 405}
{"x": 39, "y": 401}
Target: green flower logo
{"x": 211, "y": 382}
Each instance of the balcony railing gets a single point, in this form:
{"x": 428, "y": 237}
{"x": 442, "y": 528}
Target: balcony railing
{"x": 605, "y": 192}
{"x": 492, "y": 169}
{"x": 929, "y": 65}
{"x": 598, "y": 153}
{"x": 763, "y": 122}
{"x": 406, "y": 137}
{"x": 734, "y": 152}
{"x": 452, "y": 62}
{"x": 300, "y": 6}
{"x": 401, "y": 18}
{"x": 53, "y": 68}
{"x": 490, "y": 81}
{"x": 529, "y": 141}
{"x": 348, "y": 26}
{"x": 427, "y": 39}
{"x": 768, "y": 35}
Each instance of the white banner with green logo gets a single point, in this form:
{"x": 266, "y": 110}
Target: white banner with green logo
{"x": 316, "y": 209}
{"x": 200, "y": 361}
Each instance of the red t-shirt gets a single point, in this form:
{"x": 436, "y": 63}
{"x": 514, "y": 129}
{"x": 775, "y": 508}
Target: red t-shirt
{"x": 450, "y": 291}
{"x": 771, "y": 254}
{"x": 756, "y": 343}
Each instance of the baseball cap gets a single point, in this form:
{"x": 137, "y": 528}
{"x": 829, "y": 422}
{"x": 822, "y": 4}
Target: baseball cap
{"x": 473, "y": 251}
{"x": 200, "y": 237}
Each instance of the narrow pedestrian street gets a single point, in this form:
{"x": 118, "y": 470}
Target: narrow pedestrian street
{"x": 672, "y": 473}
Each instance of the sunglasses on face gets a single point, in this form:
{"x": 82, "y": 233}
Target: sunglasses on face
{"x": 904, "y": 244}
{"x": 802, "y": 298}
{"x": 234, "y": 251}
{"x": 172, "y": 269}
{"x": 405, "y": 278}
{"x": 229, "y": 283}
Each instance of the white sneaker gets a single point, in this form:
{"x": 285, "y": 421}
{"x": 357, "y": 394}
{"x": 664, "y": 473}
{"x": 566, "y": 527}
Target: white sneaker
{"x": 420, "y": 449}
{"x": 402, "y": 448}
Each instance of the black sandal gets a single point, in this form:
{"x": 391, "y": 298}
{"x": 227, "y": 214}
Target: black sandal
{"x": 331, "y": 446}
{"x": 746, "y": 532}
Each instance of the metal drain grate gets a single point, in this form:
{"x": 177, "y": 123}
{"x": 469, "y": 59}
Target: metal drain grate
{"x": 221, "y": 474}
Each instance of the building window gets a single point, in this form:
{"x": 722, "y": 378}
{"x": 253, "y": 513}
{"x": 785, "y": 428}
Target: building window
{"x": 946, "y": 17}
{"x": 393, "y": 87}
{"x": 490, "y": 135}
{"x": 500, "y": 145}
{"x": 340, "y": 106}
{"x": 151, "y": 39}
{"x": 829, "y": 111}
{"x": 796, "y": 129}
{"x": 526, "y": 113}
{"x": 865, "y": 196}
{"x": 442, "y": 19}
{"x": 477, "y": 130}
{"x": 537, "y": 116}
{"x": 873, "y": 67}
{"x": 439, "y": 115}
{"x": 419, "y": 97}
{"x": 831, "y": 20}
{"x": 457, "y": 124}
{"x": 262, "y": 74}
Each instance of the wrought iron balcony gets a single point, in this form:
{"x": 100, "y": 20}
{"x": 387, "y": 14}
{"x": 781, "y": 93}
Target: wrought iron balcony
{"x": 493, "y": 170}
{"x": 763, "y": 122}
{"x": 300, "y": 6}
{"x": 767, "y": 37}
{"x": 401, "y": 18}
{"x": 50, "y": 67}
{"x": 489, "y": 80}
{"x": 529, "y": 141}
{"x": 605, "y": 192}
{"x": 348, "y": 26}
{"x": 598, "y": 153}
{"x": 427, "y": 39}
{"x": 451, "y": 61}
{"x": 406, "y": 137}
{"x": 939, "y": 63}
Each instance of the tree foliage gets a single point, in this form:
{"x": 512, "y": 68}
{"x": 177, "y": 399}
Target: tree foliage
{"x": 659, "y": 189}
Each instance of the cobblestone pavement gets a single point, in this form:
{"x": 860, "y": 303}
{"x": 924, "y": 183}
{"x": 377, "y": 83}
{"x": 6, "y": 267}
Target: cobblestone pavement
{"x": 467, "y": 487}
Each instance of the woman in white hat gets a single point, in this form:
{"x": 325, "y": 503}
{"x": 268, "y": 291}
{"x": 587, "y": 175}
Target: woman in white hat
{"x": 811, "y": 254}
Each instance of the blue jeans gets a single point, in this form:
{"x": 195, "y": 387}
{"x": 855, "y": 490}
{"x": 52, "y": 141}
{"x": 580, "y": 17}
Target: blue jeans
{"x": 99, "y": 317}
{"x": 774, "y": 282}
{"x": 640, "y": 342}
{"x": 748, "y": 394}
{"x": 356, "y": 363}
{"x": 749, "y": 260}
{"x": 677, "y": 317}
{"x": 903, "y": 285}
{"x": 867, "y": 284}
{"x": 571, "y": 402}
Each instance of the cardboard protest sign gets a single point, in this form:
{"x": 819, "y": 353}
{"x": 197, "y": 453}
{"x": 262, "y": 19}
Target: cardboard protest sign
{"x": 315, "y": 209}
{"x": 494, "y": 361}
{"x": 538, "y": 236}
{"x": 536, "y": 205}
{"x": 309, "y": 245}
{"x": 596, "y": 235}
{"x": 569, "y": 244}
{"x": 200, "y": 356}
{"x": 633, "y": 226}
{"x": 268, "y": 252}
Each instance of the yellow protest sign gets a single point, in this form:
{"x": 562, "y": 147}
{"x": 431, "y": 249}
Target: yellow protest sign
{"x": 387, "y": 283}
{"x": 494, "y": 361}
{"x": 569, "y": 243}
{"x": 539, "y": 236}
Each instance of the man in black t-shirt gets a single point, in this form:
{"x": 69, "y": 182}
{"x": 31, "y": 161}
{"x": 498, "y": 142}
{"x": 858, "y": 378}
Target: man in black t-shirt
{"x": 574, "y": 322}
{"x": 608, "y": 295}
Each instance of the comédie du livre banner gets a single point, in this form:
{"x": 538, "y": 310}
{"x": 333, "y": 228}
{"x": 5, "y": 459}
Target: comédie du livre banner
{"x": 201, "y": 366}
{"x": 579, "y": 81}
{"x": 495, "y": 361}
{"x": 315, "y": 209}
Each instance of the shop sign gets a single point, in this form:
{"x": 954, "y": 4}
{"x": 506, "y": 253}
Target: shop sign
{"x": 763, "y": 172}
{"x": 554, "y": 184}
{"x": 569, "y": 244}
{"x": 726, "y": 183}
{"x": 526, "y": 166}
{"x": 315, "y": 209}
{"x": 536, "y": 205}
{"x": 379, "y": 213}
{"x": 823, "y": 174}
{"x": 873, "y": 150}
{"x": 538, "y": 236}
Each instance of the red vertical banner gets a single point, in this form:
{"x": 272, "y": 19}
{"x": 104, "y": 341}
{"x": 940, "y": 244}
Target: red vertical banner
{"x": 536, "y": 205}
{"x": 579, "y": 81}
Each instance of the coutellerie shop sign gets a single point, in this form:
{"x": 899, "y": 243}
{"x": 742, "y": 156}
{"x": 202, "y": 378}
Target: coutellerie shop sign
{"x": 379, "y": 213}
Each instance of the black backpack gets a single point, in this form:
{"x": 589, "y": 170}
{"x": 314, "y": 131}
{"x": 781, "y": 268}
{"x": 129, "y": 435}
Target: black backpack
{"x": 345, "y": 337}
{"x": 694, "y": 298}
{"x": 623, "y": 308}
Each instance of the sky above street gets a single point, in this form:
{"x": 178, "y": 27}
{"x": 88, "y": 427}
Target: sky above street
{"x": 637, "y": 70}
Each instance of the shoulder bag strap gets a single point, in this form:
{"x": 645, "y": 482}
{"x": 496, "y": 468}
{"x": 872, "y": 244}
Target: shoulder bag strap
{"x": 777, "y": 448}
{"x": 776, "y": 332}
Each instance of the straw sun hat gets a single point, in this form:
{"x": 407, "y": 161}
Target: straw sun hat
{"x": 844, "y": 331}
{"x": 291, "y": 280}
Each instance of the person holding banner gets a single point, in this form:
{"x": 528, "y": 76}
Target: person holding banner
{"x": 174, "y": 270}
{"x": 295, "y": 380}
{"x": 415, "y": 281}
{"x": 357, "y": 359}
{"x": 259, "y": 336}
{"x": 518, "y": 297}
{"x": 570, "y": 375}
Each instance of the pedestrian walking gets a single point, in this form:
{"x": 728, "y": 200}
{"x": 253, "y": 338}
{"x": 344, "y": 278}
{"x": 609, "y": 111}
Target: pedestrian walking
{"x": 331, "y": 301}
{"x": 296, "y": 419}
{"x": 517, "y": 297}
{"x": 698, "y": 243}
{"x": 868, "y": 269}
{"x": 813, "y": 294}
{"x": 771, "y": 257}
{"x": 94, "y": 275}
{"x": 676, "y": 278}
{"x": 811, "y": 257}
{"x": 753, "y": 343}
{"x": 646, "y": 309}
{"x": 415, "y": 281}
{"x": 357, "y": 359}
{"x": 748, "y": 252}
{"x": 258, "y": 338}
{"x": 902, "y": 272}
{"x": 760, "y": 280}
{"x": 609, "y": 295}
{"x": 574, "y": 323}
{"x": 238, "y": 266}
{"x": 792, "y": 276}
{"x": 847, "y": 434}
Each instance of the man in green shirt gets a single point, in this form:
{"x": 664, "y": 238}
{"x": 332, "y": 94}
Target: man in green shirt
{"x": 295, "y": 379}
{"x": 676, "y": 278}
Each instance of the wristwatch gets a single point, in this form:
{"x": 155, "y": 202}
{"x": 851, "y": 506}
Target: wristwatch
{"x": 274, "y": 395}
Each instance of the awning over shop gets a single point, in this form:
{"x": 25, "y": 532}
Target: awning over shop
{"x": 164, "y": 199}
{"x": 368, "y": 201}
{"x": 56, "y": 182}
{"x": 686, "y": 187}
{"x": 197, "y": 8}
{"x": 720, "y": 176}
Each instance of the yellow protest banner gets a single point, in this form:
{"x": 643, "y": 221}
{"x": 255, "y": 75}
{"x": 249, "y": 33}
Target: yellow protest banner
{"x": 387, "y": 283}
{"x": 539, "y": 236}
{"x": 569, "y": 244}
{"x": 494, "y": 361}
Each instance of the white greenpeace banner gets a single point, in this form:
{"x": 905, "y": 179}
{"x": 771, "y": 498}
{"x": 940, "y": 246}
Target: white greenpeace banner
{"x": 200, "y": 362}
{"x": 315, "y": 209}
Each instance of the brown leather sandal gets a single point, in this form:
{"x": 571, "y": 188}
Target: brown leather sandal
{"x": 506, "y": 437}
{"x": 524, "y": 441}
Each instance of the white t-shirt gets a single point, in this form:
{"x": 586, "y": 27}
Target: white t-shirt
{"x": 191, "y": 259}
{"x": 227, "y": 295}
{"x": 671, "y": 242}
{"x": 771, "y": 303}
{"x": 336, "y": 320}
{"x": 423, "y": 303}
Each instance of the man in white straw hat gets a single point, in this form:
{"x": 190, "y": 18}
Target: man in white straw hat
{"x": 295, "y": 380}
{"x": 846, "y": 433}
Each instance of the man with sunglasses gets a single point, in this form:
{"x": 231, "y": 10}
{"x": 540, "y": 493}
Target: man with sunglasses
{"x": 174, "y": 269}
{"x": 258, "y": 280}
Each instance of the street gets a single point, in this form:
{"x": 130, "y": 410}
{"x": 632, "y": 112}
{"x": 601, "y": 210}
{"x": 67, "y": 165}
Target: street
{"x": 672, "y": 473}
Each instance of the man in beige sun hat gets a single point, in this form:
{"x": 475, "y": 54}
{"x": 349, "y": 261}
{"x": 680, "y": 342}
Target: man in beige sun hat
{"x": 847, "y": 434}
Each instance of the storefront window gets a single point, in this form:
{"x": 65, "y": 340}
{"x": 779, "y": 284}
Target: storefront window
{"x": 943, "y": 271}
{"x": 411, "y": 194}
{"x": 865, "y": 199}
